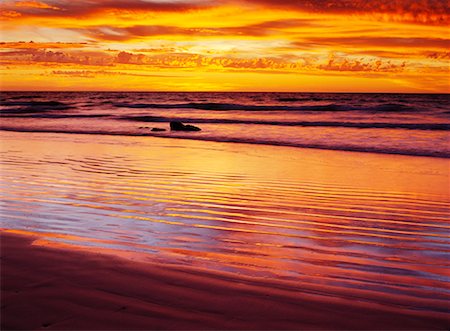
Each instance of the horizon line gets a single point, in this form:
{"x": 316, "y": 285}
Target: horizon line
{"x": 137, "y": 91}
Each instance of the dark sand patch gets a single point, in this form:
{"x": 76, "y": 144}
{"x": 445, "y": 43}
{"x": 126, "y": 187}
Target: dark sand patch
{"x": 61, "y": 289}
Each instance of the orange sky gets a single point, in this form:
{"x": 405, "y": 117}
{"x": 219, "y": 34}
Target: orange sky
{"x": 225, "y": 45}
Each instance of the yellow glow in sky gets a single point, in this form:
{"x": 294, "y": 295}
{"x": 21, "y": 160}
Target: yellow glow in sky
{"x": 227, "y": 45}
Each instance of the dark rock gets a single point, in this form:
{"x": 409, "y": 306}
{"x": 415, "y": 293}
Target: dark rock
{"x": 191, "y": 128}
{"x": 178, "y": 126}
{"x": 158, "y": 129}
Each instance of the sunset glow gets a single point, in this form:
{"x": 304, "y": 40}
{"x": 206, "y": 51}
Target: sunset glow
{"x": 227, "y": 45}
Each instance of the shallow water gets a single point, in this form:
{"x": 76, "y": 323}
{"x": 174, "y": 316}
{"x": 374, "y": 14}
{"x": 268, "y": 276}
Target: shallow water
{"x": 409, "y": 124}
{"x": 353, "y": 226}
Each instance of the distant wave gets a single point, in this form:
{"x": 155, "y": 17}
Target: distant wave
{"x": 51, "y": 104}
{"x": 19, "y": 107}
{"x": 16, "y": 105}
{"x": 292, "y": 99}
{"x": 231, "y": 106}
{"x": 22, "y": 114}
{"x": 391, "y": 107}
{"x": 384, "y": 107}
{"x": 364, "y": 125}
{"x": 21, "y": 97}
{"x": 342, "y": 147}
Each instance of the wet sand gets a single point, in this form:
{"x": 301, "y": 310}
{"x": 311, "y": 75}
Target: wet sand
{"x": 154, "y": 233}
{"x": 63, "y": 289}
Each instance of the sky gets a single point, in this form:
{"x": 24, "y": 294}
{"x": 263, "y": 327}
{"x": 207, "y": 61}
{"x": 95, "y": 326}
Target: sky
{"x": 225, "y": 45}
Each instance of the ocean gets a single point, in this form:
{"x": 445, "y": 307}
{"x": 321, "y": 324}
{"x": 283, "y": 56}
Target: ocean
{"x": 408, "y": 124}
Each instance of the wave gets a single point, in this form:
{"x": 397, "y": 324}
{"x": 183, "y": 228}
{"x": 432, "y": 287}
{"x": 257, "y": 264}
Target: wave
{"x": 22, "y": 107}
{"x": 362, "y": 125}
{"x": 383, "y": 107}
{"x": 232, "y": 106}
{"x": 51, "y": 104}
{"x": 291, "y": 99}
{"x": 21, "y": 114}
{"x": 340, "y": 147}
{"x": 33, "y": 106}
{"x": 391, "y": 107}
{"x": 21, "y": 97}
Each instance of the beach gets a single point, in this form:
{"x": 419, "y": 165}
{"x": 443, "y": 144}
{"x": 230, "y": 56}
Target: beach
{"x": 122, "y": 232}
{"x": 65, "y": 289}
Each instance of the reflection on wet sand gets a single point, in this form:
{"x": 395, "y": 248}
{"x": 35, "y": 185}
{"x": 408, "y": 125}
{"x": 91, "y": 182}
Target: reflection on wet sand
{"x": 352, "y": 226}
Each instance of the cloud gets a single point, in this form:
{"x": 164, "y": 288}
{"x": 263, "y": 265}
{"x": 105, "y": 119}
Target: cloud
{"x": 192, "y": 61}
{"x": 125, "y": 57}
{"x": 37, "y": 55}
{"x": 110, "y": 33}
{"x": 94, "y": 73}
{"x": 419, "y": 11}
{"x": 35, "y": 4}
{"x": 362, "y": 41}
{"x": 40, "y": 45}
{"x": 9, "y": 14}
{"x": 59, "y": 57}
{"x": 415, "y": 11}
{"x": 405, "y": 54}
{"x": 75, "y": 73}
{"x": 80, "y": 8}
{"x": 438, "y": 55}
{"x": 431, "y": 12}
{"x": 361, "y": 65}
{"x": 156, "y": 50}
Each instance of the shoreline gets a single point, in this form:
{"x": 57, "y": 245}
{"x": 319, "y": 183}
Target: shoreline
{"x": 62, "y": 289}
{"x": 444, "y": 156}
